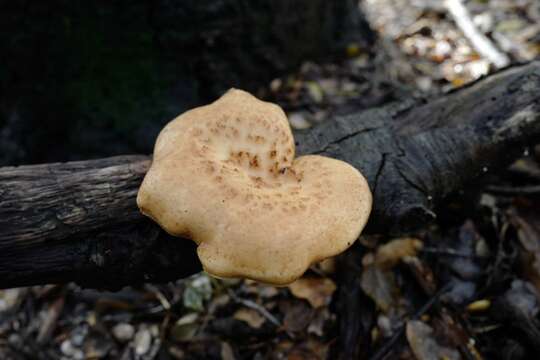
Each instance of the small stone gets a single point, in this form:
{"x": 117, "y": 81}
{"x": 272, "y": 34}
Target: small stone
{"x": 298, "y": 121}
{"x": 78, "y": 335}
{"x": 10, "y": 298}
{"x": 315, "y": 91}
{"x": 484, "y": 22}
{"x": 478, "y": 68}
{"x": 176, "y": 352}
{"x": 143, "y": 340}
{"x": 442, "y": 50}
{"x": 424, "y": 83}
{"x": 123, "y": 332}
{"x": 385, "y": 325}
{"x": 71, "y": 351}
{"x": 154, "y": 330}
{"x": 15, "y": 340}
{"x": 275, "y": 85}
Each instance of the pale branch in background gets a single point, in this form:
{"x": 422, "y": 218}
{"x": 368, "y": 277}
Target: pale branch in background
{"x": 479, "y": 41}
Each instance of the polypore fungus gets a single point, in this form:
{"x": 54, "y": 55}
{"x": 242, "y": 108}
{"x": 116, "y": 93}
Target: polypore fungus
{"x": 225, "y": 176}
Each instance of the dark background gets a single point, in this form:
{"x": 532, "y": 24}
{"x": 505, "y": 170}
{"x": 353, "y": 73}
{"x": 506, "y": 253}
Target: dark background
{"x": 86, "y": 79}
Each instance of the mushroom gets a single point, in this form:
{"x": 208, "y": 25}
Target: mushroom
{"x": 225, "y": 176}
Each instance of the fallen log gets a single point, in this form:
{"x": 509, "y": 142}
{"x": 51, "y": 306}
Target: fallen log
{"x": 78, "y": 221}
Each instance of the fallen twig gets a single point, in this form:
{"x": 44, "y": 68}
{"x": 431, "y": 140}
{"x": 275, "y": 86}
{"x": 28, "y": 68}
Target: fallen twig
{"x": 253, "y": 305}
{"x": 511, "y": 190}
{"x": 479, "y": 41}
{"x": 387, "y": 347}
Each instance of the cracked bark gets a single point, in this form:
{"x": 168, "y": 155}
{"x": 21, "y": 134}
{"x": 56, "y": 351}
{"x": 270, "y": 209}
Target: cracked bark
{"x": 79, "y": 222}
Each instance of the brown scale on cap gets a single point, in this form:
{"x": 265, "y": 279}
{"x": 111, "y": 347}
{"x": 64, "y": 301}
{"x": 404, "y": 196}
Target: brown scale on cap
{"x": 225, "y": 174}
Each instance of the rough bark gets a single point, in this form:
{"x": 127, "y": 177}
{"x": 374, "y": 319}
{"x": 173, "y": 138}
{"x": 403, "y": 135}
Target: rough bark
{"x": 79, "y": 222}
{"x": 414, "y": 153}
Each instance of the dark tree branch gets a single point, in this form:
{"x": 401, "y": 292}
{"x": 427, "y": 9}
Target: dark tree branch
{"x": 79, "y": 222}
{"x": 414, "y": 153}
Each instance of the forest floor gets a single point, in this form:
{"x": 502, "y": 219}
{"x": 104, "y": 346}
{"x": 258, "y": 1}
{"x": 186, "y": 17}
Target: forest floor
{"x": 466, "y": 288}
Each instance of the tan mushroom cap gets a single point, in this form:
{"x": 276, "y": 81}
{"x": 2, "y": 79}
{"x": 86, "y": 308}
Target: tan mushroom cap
{"x": 225, "y": 176}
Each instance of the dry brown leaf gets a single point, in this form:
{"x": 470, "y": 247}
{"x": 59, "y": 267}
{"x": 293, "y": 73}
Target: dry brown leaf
{"x": 326, "y": 266}
{"x": 423, "y": 344}
{"x": 185, "y": 328}
{"x": 249, "y": 316}
{"x": 423, "y": 274}
{"x": 317, "y": 291}
{"x": 388, "y": 255}
{"x": 311, "y": 349}
{"x": 227, "y": 352}
{"x": 297, "y": 317}
{"x": 528, "y": 230}
{"x": 321, "y": 317}
{"x": 380, "y": 286}
{"x": 268, "y": 291}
